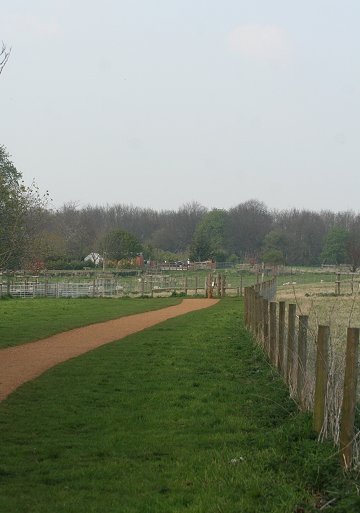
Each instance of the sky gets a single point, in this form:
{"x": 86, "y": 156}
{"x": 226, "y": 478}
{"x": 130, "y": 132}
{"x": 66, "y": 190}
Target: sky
{"x": 158, "y": 103}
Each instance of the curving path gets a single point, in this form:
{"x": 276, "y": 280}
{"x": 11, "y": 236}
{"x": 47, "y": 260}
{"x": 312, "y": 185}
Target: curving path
{"x": 28, "y": 361}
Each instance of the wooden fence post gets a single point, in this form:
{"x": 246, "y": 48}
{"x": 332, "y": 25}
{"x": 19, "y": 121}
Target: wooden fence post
{"x": 321, "y": 377}
{"x": 265, "y": 322}
{"x": 302, "y": 359}
{"x": 246, "y": 307}
{"x": 249, "y": 307}
{"x": 209, "y": 288}
{"x": 291, "y": 345}
{"x": 186, "y": 286}
{"x": 241, "y": 285}
{"x": 272, "y": 349}
{"x": 253, "y": 311}
{"x": 281, "y": 339}
{"x": 337, "y": 284}
{"x": 223, "y": 285}
{"x": 219, "y": 285}
{"x": 258, "y": 308}
{"x": 349, "y": 398}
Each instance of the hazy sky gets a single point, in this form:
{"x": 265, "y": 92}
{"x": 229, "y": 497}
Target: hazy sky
{"x": 161, "y": 102}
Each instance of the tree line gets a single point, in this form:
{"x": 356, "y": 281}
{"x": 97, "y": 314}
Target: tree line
{"x": 32, "y": 234}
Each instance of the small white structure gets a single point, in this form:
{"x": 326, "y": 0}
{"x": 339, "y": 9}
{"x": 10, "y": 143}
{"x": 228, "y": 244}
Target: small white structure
{"x": 95, "y": 258}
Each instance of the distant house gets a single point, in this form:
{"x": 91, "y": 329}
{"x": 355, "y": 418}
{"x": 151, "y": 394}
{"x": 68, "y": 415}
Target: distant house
{"x": 95, "y": 258}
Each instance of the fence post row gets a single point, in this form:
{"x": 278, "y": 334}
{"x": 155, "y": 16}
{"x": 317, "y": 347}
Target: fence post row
{"x": 269, "y": 330}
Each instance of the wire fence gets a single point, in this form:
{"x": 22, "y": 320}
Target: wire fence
{"x": 146, "y": 285}
{"x": 321, "y": 378}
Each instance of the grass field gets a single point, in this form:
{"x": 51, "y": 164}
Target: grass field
{"x": 318, "y": 300}
{"x": 24, "y": 320}
{"x": 184, "y": 417}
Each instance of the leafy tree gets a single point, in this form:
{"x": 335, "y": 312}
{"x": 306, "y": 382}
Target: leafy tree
{"x": 274, "y": 248}
{"x": 119, "y": 244}
{"x": 21, "y": 208}
{"x": 335, "y": 246}
{"x": 273, "y": 256}
{"x": 353, "y": 244}
{"x": 247, "y": 225}
{"x": 209, "y": 237}
{"x": 305, "y": 231}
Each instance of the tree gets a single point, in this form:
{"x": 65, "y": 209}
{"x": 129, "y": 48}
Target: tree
{"x": 119, "y": 244}
{"x": 12, "y": 210}
{"x": 209, "y": 237}
{"x": 20, "y": 210}
{"x": 246, "y": 227}
{"x": 353, "y": 244}
{"x": 305, "y": 231}
{"x": 4, "y": 56}
{"x": 274, "y": 248}
{"x": 335, "y": 246}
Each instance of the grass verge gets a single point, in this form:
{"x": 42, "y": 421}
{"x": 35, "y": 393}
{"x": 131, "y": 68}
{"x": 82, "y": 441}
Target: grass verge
{"x": 184, "y": 417}
{"x": 27, "y": 320}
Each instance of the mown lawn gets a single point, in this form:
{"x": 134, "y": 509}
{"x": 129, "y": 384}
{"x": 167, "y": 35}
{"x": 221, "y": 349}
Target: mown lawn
{"x": 24, "y": 320}
{"x": 184, "y": 417}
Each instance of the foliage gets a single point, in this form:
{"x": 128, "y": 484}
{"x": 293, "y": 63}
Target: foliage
{"x": 335, "y": 246}
{"x": 273, "y": 256}
{"x": 353, "y": 244}
{"x": 247, "y": 225}
{"x": 67, "y": 264}
{"x": 304, "y": 233}
{"x": 4, "y": 56}
{"x": 274, "y": 248}
{"x": 209, "y": 237}
{"x": 21, "y": 208}
{"x": 119, "y": 244}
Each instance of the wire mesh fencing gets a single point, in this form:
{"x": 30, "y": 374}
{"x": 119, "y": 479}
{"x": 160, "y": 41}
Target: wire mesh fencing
{"x": 320, "y": 377}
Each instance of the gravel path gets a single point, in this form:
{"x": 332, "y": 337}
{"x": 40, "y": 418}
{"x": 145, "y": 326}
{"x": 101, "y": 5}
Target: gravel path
{"x": 28, "y": 361}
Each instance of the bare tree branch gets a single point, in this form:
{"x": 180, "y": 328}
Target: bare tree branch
{"x": 4, "y": 56}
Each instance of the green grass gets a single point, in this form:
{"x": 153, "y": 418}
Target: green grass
{"x": 184, "y": 417}
{"x": 24, "y": 320}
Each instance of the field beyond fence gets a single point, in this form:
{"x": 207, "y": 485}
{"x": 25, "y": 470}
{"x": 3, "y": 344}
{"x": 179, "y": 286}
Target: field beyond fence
{"x": 321, "y": 374}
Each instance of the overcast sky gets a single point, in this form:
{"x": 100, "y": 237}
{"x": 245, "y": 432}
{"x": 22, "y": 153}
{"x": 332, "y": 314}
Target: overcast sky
{"x": 157, "y": 103}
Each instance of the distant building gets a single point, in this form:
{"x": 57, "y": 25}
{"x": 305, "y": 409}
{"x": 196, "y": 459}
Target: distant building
{"x": 95, "y": 258}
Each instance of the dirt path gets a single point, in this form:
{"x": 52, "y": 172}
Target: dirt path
{"x": 26, "y": 362}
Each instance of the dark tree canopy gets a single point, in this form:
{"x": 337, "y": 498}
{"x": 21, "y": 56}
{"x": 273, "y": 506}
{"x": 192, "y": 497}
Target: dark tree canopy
{"x": 119, "y": 244}
{"x": 335, "y": 246}
{"x": 20, "y": 210}
{"x": 209, "y": 237}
